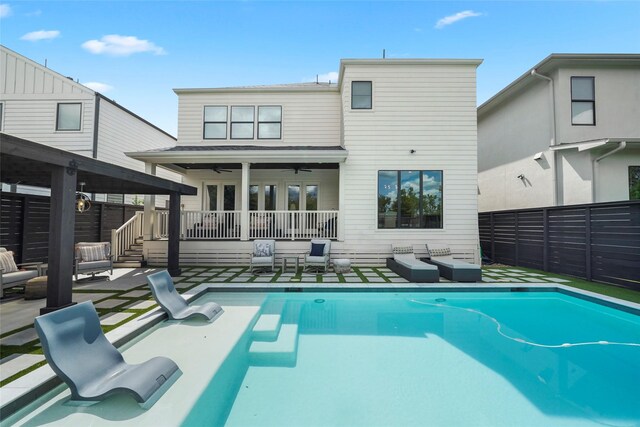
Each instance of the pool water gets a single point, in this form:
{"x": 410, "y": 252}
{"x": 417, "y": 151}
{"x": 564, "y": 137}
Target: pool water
{"x": 437, "y": 359}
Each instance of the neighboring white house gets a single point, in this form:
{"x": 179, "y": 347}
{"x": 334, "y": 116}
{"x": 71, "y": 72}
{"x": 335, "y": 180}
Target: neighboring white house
{"x": 43, "y": 106}
{"x": 385, "y": 155}
{"x": 566, "y": 132}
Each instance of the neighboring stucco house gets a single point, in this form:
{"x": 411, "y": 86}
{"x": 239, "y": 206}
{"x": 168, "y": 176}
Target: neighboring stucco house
{"x": 43, "y": 106}
{"x": 385, "y": 155}
{"x": 566, "y": 132}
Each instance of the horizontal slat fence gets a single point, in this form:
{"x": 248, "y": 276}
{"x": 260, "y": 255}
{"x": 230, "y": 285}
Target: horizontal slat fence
{"x": 599, "y": 241}
{"x": 24, "y": 224}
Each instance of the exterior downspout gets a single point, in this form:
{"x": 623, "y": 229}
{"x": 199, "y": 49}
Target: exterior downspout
{"x": 554, "y": 173}
{"x": 621, "y": 146}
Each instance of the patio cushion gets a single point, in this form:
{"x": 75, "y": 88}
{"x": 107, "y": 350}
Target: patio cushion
{"x": 315, "y": 259}
{"x": 265, "y": 260}
{"x": 18, "y": 276}
{"x": 402, "y": 249}
{"x": 317, "y": 249}
{"x": 439, "y": 252}
{"x": 7, "y": 264}
{"x": 262, "y": 249}
{"x": 91, "y": 265}
{"x": 92, "y": 253}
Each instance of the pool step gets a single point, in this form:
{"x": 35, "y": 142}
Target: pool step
{"x": 268, "y": 325}
{"x": 281, "y": 352}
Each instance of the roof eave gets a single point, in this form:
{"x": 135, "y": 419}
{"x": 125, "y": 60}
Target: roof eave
{"x": 234, "y": 156}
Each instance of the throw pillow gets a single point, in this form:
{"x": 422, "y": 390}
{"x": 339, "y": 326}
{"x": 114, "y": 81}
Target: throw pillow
{"x": 403, "y": 249}
{"x": 262, "y": 249}
{"x": 7, "y": 264}
{"x": 92, "y": 253}
{"x": 317, "y": 249}
{"x": 440, "y": 252}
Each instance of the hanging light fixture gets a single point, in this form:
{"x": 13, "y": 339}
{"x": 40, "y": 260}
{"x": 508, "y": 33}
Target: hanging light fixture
{"x": 83, "y": 203}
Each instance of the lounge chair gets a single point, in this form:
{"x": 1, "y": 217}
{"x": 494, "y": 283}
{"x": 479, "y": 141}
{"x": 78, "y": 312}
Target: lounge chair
{"x": 405, "y": 263}
{"x": 92, "y": 258}
{"x": 318, "y": 260}
{"x": 80, "y": 354}
{"x": 263, "y": 256}
{"x": 11, "y": 274}
{"x": 453, "y": 269}
{"x": 176, "y": 307}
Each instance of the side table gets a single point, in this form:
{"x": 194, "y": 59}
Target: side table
{"x": 290, "y": 260}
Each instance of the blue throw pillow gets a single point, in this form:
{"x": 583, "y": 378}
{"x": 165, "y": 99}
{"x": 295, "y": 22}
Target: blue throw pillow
{"x": 317, "y": 249}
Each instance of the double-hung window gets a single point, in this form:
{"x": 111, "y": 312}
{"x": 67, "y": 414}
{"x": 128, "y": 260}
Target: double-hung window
{"x": 242, "y": 119}
{"x": 361, "y": 98}
{"x": 69, "y": 116}
{"x": 269, "y": 122}
{"x": 583, "y": 101}
{"x": 215, "y": 122}
{"x": 410, "y": 199}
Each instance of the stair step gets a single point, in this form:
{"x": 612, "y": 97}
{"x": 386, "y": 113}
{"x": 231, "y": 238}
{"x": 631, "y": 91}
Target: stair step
{"x": 130, "y": 258}
{"x": 139, "y": 240}
{"x": 129, "y": 264}
{"x": 129, "y": 252}
{"x": 268, "y": 325}
{"x": 281, "y": 352}
{"x": 136, "y": 247}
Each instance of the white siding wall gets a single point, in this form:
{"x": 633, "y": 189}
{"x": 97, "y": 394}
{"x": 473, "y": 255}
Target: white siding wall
{"x": 308, "y": 118}
{"x": 428, "y": 108}
{"x": 509, "y": 136}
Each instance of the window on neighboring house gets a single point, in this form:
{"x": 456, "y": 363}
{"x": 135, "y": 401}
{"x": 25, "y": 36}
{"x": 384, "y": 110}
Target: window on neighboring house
{"x": 410, "y": 199}
{"x": 634, "y": 182}
{"x": 242, "y": 119}
{"x": 583, "y": 101}
{"x": 361, "y": 95}
{"x": 69, "y": 116}
{"x": 269, "y": 122}
{"x": 215, "y": 122}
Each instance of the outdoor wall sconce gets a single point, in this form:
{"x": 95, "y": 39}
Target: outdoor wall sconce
{"x": 412, "y": 151}
{"x": 83, "y": 203}
{"x": 521, "y": 176}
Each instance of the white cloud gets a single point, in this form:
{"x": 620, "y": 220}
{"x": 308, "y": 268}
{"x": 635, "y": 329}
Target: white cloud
{"x": 448, "y": 20}
{"x": 98, "y": 87}
{"x": 35, "y": 36}
{"x": 5, "y": 10}
{"x": 117, "y": 45}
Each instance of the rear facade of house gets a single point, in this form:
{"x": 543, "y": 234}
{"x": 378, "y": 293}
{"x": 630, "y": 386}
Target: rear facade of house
{"x": 386, "y": 155}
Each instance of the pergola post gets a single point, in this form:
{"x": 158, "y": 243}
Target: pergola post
{"x": 173, "y": 249}
{"x": 62, "y": 219}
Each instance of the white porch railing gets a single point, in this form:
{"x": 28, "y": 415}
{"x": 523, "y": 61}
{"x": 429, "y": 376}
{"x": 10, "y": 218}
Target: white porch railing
{"x": 225, "y": 225}
{"x": 294, "y": 225}
{"x": 126, "y": 235}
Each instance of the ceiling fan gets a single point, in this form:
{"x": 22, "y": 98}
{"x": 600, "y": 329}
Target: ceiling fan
{"x": 297, "y": 169}
{"x": 217, "y": 169}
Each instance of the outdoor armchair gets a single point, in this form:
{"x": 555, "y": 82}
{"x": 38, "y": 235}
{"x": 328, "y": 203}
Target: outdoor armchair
{"x": 263, "y": 256}
{"x": 318, "y": 257}
{"x": 12, "y": 274}
{"x": 169, "y": 299}
{"x": 80, "y": 354}
{"x": 92, "y": 258}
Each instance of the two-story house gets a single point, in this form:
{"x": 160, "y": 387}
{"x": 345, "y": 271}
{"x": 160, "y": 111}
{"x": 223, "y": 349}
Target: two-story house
{"x": 385, "y": 155}
{"x": 566, "y": 132}
{"x": 38, "y": 104}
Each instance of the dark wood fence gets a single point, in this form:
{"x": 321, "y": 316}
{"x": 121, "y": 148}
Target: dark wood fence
{"x": 599, "y": 241}
{"x": 24, "y": 224}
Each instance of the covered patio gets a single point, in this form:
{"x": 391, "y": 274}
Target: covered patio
{"x": 38, "y": 165}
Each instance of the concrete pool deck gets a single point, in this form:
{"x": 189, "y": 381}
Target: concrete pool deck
{"x": 125, "y": 306}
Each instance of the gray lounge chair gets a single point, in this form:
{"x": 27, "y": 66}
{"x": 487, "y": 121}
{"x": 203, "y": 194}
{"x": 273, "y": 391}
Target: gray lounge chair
{"x": 405, "y": 263}
{"x": 453, "y": 269}
{"x": 80, "y": 354}
{"x": 263, "y": 256}
{"x": 9, "y": 279}
{"x": 318, "y": 262}
{"x": 176, "y": 307}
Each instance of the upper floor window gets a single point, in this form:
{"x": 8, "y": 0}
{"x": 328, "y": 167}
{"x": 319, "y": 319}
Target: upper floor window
{"x": 242, "y": 119}
{"x": 215, "y": 122}
{"x": 69, "y": 116}
{"x": 361, "y": 95}
{"x": 410, "y": 199}
{"x": 583, "y": 101}
{"x": 634, "y": 182}
{"x": 269, "y": 122}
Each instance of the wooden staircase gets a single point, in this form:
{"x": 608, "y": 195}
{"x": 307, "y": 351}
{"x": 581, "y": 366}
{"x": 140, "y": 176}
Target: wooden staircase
{"x": 133, "y": 257}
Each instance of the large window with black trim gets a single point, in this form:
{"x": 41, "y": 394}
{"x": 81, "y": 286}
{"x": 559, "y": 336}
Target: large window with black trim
{"x": 215, "y": 122}
{"x": 634, "y": 182}
{"x": 69, "y": 116}
{"x": 410, "y": 199}
{"x": 361, "y": 96}
{"x": 583, "y": 101}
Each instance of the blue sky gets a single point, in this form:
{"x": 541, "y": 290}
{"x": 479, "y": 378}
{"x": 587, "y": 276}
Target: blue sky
{"x": 141, "y": 50}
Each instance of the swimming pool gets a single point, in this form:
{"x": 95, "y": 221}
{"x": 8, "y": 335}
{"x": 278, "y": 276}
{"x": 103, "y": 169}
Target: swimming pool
{"x": 440, "y": 358}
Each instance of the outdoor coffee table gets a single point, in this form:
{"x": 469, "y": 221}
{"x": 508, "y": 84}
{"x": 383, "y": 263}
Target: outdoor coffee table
{"x": 290, "y": 260}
